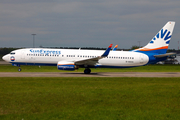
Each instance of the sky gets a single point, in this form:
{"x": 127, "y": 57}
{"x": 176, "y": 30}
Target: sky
{"x": 86, "y": 23}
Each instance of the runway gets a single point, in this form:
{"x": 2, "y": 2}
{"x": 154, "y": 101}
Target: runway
{"x": 80, "y": 74}
{"x": 4, "y": 63}
{"x": 100, "y": 74}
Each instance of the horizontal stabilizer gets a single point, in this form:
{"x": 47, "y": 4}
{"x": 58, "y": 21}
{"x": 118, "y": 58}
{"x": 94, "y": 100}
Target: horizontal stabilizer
{"x": 164, "y": 55}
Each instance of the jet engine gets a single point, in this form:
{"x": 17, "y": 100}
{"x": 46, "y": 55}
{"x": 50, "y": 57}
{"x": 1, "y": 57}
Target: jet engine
{"x": 64, "y": 65}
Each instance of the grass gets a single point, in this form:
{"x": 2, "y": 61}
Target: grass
{"x": 89, "y": 98}
{"x": 148, "y": 68}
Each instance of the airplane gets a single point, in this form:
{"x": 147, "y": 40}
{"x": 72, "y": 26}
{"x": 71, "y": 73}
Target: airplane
{"x": 72, "y": 59}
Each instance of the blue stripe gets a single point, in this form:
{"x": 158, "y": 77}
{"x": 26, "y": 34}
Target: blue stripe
{"x": 161, "y": 51}
{"x": 105, "y": 66}
{"x": 48, "y": 64}
{"x": 41, "y": 64}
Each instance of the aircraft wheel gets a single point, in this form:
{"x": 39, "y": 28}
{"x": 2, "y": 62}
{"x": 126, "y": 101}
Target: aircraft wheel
{"x": 19, "y": 69}
{"x": 87, "y": 71}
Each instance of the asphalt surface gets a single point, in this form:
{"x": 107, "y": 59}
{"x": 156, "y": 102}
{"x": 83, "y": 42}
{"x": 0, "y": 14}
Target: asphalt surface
{"x": 3, "y": 62}
{"x": 101, "y": 74}
{"x": 75, "y": 74}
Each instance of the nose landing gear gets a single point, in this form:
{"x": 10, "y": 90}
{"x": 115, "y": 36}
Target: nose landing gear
{"x": 19, "y": 69}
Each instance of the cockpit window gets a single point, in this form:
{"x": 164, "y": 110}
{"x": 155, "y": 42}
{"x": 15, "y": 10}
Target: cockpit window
{"x": 13, "y": 53}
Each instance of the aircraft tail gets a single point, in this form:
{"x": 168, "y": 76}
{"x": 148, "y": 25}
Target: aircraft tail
{"x": 159, "y": 44}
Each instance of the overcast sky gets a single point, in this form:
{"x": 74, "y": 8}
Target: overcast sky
{"x": 86, "y": 23}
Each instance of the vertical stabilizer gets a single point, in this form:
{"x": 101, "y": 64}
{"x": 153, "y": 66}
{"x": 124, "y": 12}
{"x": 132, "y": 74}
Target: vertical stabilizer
{"x": 160, "y": 42}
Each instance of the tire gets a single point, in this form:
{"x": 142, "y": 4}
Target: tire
{"x": 87, "y": 71}
{"x": 19, "y": 69}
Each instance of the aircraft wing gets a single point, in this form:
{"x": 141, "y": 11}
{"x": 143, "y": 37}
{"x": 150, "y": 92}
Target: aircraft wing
{"x": 93, "y": 61}
{"x": 164, "y": 55}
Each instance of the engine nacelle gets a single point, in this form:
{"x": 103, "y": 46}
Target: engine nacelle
{"x": 64, "y": 65}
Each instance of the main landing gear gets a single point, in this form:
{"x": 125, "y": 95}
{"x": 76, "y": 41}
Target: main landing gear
{"x": 87, "y": 71}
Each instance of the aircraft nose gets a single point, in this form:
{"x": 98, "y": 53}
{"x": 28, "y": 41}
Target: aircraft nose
{"x": 5, "y": 58}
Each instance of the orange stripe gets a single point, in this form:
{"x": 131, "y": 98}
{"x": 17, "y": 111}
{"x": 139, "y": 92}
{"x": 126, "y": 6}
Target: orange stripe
{"x": 147, "y": 49}
{"x": 66, "y": 64}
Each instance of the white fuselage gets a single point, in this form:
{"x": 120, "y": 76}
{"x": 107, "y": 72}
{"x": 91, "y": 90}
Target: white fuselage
{"x": 41, "y": 56}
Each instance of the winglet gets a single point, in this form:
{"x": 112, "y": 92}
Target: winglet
{"x": 105, "y": 54}
{"x": 114, "y": 49}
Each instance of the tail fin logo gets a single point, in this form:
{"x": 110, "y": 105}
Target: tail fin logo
{"x": 162, "y": 35}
